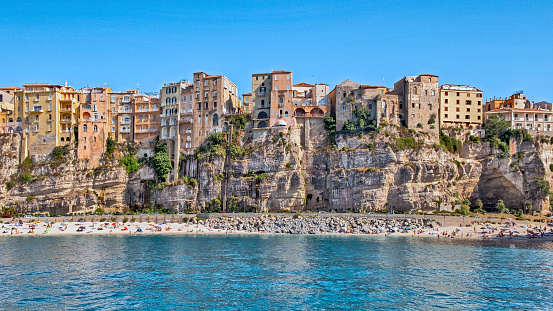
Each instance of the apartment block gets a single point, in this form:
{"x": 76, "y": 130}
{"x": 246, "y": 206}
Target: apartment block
{"x": 246, "y": 101}
{"x": 537, "y": 121}
{"x": 121, "y": 116}
{"x": 7, "y": 116}
{"x": 310, "y": 100}
{"x": 48, "y": 114}
{"x": 460, "y": 106}
{"x": 186, "y": 120}
{"x": 93, "y": 123}
{"x": 215, "y": 96}
{"x": 146, "y": 117}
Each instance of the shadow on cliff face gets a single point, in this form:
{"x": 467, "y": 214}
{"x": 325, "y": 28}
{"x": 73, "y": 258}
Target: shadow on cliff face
{"x": 494, "y": 185}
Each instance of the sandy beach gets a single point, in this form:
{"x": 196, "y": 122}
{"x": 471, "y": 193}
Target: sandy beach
{"x": 484, "y": 231}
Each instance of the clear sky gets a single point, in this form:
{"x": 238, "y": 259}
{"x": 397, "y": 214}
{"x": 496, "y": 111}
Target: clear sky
{"x": 497, "y": 46}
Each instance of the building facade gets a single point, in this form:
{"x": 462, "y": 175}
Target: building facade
{"x": 517, "y": 100}
{"x": 536, "y": 121}
{"x": 48, "y": 114}
{"x": 121, "y": 115}
{"x": 215, "y": 96}
{"x": 146, "y": 118}
{"x": 93, "y": 125}
{"x": 460, "y": 106}
{"x": 419, "y": 107}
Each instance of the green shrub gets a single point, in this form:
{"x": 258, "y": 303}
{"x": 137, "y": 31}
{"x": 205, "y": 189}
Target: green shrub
{"x": 125, "y": 220}
{"x": 25, "y": 178}
{"x": 29, "y": 198}
{"x": 551, "y": 167}
{"x": 450, "y": 144}
{"x": 130, "y": 162}
{"x": 288, "y": 165}
{"x": 403, "y": 143}
{"x": 261, "y": 177}
{"x": 103, "y": 219}
{"x": 11, "y": 184}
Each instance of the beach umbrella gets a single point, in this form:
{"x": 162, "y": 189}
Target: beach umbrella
{"x": 482, "y": 227}
{"x": 489, "y": 227}
{"x": 408, "y": 228}
{"x": 524, "y": 227}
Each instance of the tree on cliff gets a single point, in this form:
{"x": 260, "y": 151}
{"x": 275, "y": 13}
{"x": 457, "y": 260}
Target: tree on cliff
{"x": 161, "y": 162}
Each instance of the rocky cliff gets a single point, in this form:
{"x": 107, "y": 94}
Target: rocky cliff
{"x": 387, "y": 169}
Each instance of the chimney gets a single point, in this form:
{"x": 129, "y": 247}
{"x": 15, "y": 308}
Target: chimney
{"x": 65, "y": 83}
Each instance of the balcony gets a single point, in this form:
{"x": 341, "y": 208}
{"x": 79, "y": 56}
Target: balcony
{"x": 65, "y": 120}
{"x": 124, "y": 111}
{"x": 125, "y": 121}
{"x": 49, "y": 120}
{"x": 125, "y": 130}
{"x": 65, "y": 131}
{"x": 66, "y": 99}
{"x": 37, "y": 110}
{"x": 154, "y": 109}
{"x": 261, "y": 93}
{"x": 66, "y": 109}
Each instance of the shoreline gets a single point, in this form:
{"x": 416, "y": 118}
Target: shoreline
{"x": 40, "y": 229}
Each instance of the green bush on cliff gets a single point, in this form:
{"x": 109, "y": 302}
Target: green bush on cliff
{"x": 161, "y": 164}
{"x": 130, "y": 162}
{"x": 111, "y": 145}
{"x": 403, "y": 143}
{"x": 450, "y": 144}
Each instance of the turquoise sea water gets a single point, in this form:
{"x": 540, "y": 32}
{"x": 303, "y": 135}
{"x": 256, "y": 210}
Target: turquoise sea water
{"x": 271, "y": 272}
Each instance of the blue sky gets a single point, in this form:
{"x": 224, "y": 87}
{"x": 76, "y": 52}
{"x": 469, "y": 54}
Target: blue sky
{"x": 497, "y": 46}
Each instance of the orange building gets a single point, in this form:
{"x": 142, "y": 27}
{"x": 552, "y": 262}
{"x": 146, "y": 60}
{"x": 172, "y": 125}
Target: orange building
{"x": 93, "y": 123}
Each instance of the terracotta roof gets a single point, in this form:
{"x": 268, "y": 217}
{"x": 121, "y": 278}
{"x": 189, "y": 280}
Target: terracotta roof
{"x": 281, "y": 71}
{"x": 303, "y": 84}
{"x": 321, "y": 84}
{"x": 247, "y": 94}
{"x": 467, "y": 86}
{"x": 258, "y": 74}
{"x": 10, "y": 88}
{"x": 427, "y": 74}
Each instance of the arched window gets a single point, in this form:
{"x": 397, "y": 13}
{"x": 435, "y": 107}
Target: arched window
{"x": 84, "y": 128}
{"x": 415, "y": 90}
{"x": 262, "y": 124}
{"x": 18, "y": 119}
{"x": 383, "y": 104}
{"x": 429, "y": 106}
{"x": 4, "y": 120}
{"x": 168, "y": 100}
{"x": 174, "y": 100}
{"x": 95, "y": 128}
{"x": 62, "y": 139}
{"x": 19, "y": 129}
{"x": 286, "y": 113}
{"x": 262, "y": 115}
{"x": 343, "y": 108}
{"x": 215, "y": 120}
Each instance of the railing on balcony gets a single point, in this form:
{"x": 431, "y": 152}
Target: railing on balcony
{"x": 65, "y": 120}
{"x": 125, "y": 130}
{"x": 261, "y": 93}
{"x": 125, "y": 121}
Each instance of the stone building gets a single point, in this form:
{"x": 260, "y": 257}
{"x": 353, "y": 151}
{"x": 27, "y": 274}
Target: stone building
{"x": 146, "y": 118}
{"x": 543, "y": 105}
{"x": 215, "y": 96}
{"x": 93, "y": 123}
{"x": 460, "y": 106}
{"x": 348, "y": 96}
{"x": 272, "y": 99}
{"x": 48, "y": 114}
{"x": 419, "y": 102}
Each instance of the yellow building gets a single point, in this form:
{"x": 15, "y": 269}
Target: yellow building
{"x": 48, "y": 114}
{"x": 516, "y": 100}
{"x": 460, "y": 106}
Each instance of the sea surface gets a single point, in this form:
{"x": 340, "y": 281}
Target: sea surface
{"x": 272, "y": 272}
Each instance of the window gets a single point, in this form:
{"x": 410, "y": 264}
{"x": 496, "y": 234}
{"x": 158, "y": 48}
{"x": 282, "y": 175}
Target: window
{"x": 168, "y": 101}
{"x": 415, "y": 91}
{"x": 198, "y": 83}
{"x": 215, "y": 120}
{"x": 49, "y": 96}
{"x": 95, "y": 128}
{"x": 94, "y": 138}
{"x": 457, "y": 93}
{"x": 206, "y": 118}
{"x": 479, "y": 110}
{"x": 343, "y": 108}
{"x": 457, "y": 116}
{"x": 468, "y": 94}
{"x": 197, "y": 94}
{"x": 429, "y": 106}
{"x": 206, "y": 94}
{"x": 214, "y": 82}
{"x": 446, "y": 93}
{"x": 174, "y": 100}
{"x": 94, "y": 108}
{"x": 276, "y": 78}
{"x": 206, "y": 105}
{"x": 85, "y": 128}
{"x": 413, "y": 105}
{"x": 425, "y": 92}
{"x": 262, "y": 102}
{"x": 445, "y": 108}
{"x": 468, "y": 109}
{"x": 457, "y": 109}
{"x": 174, "y": 89}
{"x": 167, "y": 90}
{"x": 467, "y": 117}
{"x": 154, "y": 117}
{"x": 214, "y": 93}
{"x": 479, "y": 103}
{"x": 189, "y": 108}
{"x": 469, "y": 102}
{"x": 457, "y": 102}
{"x": 276, "y": 88}
{"x": 206, "y": 82}
{"x": 433, "y": 93}
{"x": 288, "y": 87}
{"x": 446, "y": 101}
{"x": 370, "y": 106}
{"x": 262, "y": 115}
{"x": 446, "y": 115}
{"x": 286, "y": 113}
{"x": 199, "y": 120}
{"x": 400, "y": 106}
{"x": 288, "y": 77}
{"x": 214, "y": 105}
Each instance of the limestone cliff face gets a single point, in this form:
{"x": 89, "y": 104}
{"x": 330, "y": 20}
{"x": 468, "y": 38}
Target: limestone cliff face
{"x": 363, "y": 174}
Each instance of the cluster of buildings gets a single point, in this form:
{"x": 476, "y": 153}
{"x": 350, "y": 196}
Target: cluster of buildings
{"x": 186, "y": 112}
